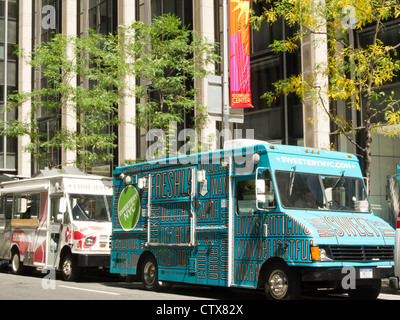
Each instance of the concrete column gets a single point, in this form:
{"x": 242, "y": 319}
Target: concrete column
{"x": 24, "y": 81}
{"x": 127, "y": 110}
{"x": 68, "y": 119}
{"x": 314, "y": 54}
{"x": 203, "y": 22}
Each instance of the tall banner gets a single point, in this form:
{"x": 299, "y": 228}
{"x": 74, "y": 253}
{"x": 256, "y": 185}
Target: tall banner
{"x": 239, "y": 53}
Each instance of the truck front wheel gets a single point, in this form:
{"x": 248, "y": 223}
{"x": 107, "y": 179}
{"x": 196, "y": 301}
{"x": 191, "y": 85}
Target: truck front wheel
{"x": 281, "y": 282}
{"x": 69, "y": 268}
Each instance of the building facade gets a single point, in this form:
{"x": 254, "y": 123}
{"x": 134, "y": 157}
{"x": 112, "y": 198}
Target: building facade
{"x": 29, "y": 22}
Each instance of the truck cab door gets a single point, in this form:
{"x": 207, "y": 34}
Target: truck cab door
{"x": 254, "y": 241}
{"x": 57, "y": 210}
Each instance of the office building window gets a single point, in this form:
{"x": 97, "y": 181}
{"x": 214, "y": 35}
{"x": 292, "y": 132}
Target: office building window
{"x": 183, "y": 9}
{"x": 283, "y": 121}
{"x": 146, "y": 10}
{"x": 102, "y": 16}
{"x": 8, "y": 77}
{"x": 47, "y": 24}
{"x": 391, "y": 37}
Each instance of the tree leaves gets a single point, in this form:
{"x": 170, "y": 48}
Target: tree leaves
{"x": 167, "y": 57}
{"x": 63, "y": 61}
{"x": 85, "y": 78}
{"x": 356, "y": 71}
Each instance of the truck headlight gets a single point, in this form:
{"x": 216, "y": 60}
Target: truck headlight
{"x": 320, "y": 254}
{"x": 89, "y": 241}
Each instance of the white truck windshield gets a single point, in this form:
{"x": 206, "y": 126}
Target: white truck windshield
{"x": 321, "y": 192}
{"x": 90, "y": 207}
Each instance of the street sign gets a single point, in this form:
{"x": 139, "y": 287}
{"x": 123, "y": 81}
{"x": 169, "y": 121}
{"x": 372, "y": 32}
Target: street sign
{"x": 214, "y": 101}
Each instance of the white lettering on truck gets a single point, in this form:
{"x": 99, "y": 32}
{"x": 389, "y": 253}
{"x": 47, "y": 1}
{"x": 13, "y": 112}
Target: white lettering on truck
{"x": 316, "y": 163}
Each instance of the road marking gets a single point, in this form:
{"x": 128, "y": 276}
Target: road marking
{"x": 98, "y": 291}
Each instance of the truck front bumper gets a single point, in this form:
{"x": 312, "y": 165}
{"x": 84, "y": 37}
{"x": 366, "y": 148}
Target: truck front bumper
{"x": 338, "y": 273}
{"x": 94, "y": 260}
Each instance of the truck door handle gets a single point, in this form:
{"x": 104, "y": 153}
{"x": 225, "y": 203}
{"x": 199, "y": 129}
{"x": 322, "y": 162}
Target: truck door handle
{"x": 265, "y": 227}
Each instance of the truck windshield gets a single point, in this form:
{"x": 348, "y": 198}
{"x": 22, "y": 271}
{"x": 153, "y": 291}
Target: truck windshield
{"x": 90, "y": 207}
{"x": 321, "y": 192}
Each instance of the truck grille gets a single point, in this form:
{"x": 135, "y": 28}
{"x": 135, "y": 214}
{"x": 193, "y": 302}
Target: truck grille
{"x": 361, "y": 253}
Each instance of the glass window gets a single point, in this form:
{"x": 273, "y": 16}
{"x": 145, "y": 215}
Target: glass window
{"x": 262, "y": 38}
{"x": 12, "y": 9}
{"x": 5, "y": 207}
{"x": 56, "y": 216}
{"x": 389, "y": 36}
{"x": 182, "y": 9}
{"x": 102, "y": 15}
{"x": 11, "y": 74}
{"x": 246, "y": 197}
{"x": 90, "y": 207}
{"x": 321, "y": 192}
{"x": 27, "y": 206}
{"x": 250, "y": 200}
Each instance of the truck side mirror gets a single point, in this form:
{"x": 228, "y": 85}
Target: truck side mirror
{"x": 260, "y": 191}
{"x": 63, "y": 205}
{"x": 260, "y": 185}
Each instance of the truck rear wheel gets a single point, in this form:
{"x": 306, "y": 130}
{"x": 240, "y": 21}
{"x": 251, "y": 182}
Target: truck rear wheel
{"x": 16, "y": 263}
{"x": 281, "y": 282}
{"x": 150, "y": 274}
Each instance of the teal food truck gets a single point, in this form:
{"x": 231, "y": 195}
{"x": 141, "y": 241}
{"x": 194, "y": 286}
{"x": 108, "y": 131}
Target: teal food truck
{"x": 257, "y": 215}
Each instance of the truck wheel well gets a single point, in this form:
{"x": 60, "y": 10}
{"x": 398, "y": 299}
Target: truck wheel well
{"x": 262, "y": 273}
{"x": 14, "y": 249}
{"x": 65, "y": 250}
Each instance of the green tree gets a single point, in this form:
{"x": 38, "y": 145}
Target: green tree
{"x": 356, "y": 72}
{"x": 166, "y": 58}
{"x": 93, "y": 60}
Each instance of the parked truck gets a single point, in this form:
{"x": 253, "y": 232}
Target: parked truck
{"x": 253, "y": 215}
{"x": 56, "y": 220}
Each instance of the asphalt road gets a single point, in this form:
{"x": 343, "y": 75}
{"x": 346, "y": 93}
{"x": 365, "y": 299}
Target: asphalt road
{"x": 38, "y": 286}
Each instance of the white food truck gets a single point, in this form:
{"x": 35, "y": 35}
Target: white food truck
{"x": 57, "y": 219}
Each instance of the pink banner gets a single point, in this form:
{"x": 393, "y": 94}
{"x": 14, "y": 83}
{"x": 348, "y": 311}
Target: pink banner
{"x": 239, "y": 44}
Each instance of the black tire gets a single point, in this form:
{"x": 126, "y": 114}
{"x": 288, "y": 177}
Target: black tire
{"x": 366, "y": 292}
{"x": 16, "y": 263}
{"x": 281, "y": 282}
{"x": 150, "y": 274}
{"x": 69, "y": 268}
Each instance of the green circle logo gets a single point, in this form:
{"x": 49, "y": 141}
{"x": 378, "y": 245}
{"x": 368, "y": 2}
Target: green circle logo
{"x": 129, "y": 208}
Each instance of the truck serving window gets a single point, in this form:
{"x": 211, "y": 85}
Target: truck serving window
{"x": 26, "y": 206}
{"x": 90, "y": 207}
{"x": 321, "y": 192}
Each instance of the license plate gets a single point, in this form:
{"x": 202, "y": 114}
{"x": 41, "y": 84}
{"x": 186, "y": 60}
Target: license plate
{"x": 365, "y": 273}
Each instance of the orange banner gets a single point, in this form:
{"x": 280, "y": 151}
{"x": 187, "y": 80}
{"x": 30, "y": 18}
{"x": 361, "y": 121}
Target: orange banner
{"x": 239, "y": 53}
